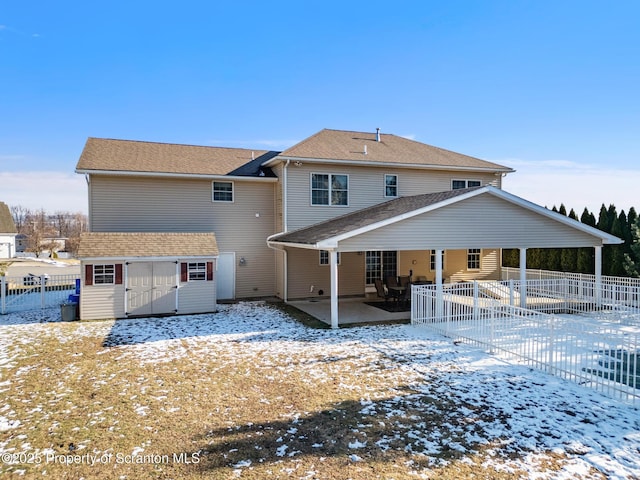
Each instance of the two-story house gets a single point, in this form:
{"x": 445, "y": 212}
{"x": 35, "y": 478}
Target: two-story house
{"x": 325, "y": 217}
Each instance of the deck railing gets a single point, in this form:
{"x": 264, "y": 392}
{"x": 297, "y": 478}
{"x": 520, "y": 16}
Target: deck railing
{"x": 599, "y": 348}
{"x": 32, "y": 292}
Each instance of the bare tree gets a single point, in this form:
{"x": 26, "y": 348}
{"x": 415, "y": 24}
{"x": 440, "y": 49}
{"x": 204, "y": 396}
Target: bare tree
{"x": 20, "y": 215}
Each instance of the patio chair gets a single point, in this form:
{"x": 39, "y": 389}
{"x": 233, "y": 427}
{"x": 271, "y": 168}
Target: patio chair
{"x": 405, "y": 296}
{"x": 380, "y": 290}
{"x": 404, "y": 280}
{"x": 392, "y": 281}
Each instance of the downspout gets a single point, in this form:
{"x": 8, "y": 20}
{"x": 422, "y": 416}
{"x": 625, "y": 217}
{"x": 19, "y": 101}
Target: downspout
{"x": 285, "y": 214}
{"x": 285, "y": 274}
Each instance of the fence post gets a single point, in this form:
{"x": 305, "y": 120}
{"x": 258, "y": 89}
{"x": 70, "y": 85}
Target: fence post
{"x": 511, "y": 293}
{"x": 43, "y": 292}
{"x": 3, "y": 294}
{"x": 551, "y": 341}
{"x": 475, "y": 300}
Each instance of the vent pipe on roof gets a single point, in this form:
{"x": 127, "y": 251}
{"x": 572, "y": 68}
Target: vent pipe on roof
{"x": 365, "y": 150}
{"x": 252, "y": 155}
{"x": 378, "y": 134}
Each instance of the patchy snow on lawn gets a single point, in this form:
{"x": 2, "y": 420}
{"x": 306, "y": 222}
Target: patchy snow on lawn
{"x": 495, "y": 404}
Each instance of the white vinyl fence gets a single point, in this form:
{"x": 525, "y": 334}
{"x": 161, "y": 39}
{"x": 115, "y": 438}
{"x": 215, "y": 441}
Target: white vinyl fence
{"x": 34, "y": 292}
{"x": 597, "y": 348}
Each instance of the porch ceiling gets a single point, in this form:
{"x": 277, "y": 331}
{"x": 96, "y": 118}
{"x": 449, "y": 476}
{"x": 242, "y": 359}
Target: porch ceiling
{"x": 480, "y": 217}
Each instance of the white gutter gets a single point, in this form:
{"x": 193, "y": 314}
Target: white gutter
{"x": 387, "y": 164}
{"x": 178, "y": 175}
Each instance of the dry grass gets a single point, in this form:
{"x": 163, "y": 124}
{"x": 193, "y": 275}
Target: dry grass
{"x": 228, "y": 409}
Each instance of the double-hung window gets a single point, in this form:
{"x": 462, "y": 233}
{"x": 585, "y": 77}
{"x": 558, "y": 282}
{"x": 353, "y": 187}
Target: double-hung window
{"x": 324, "y": 257}
{"x": 432, "y": 260}
{"x": 458, "y": 184}
{"x": 197, "y": 271}
{"x": 473, "y": 259}
{"x": 104, "y": 274}
{"x": 390, "y": 185}
{"x": 223, "y": 191}
{"x": 329, "y": 189}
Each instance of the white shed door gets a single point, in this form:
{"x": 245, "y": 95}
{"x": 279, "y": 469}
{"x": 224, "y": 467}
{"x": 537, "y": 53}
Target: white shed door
{"x": 151, "y": 288}
{"x": 226, "y": 276}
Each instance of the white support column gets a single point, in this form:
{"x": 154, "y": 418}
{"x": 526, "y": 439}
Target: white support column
{"x": 333, "y": 265}
{"x": 523, "y": 278}
{"x": 598, "y": 275}
{"x": 439, "y": 295}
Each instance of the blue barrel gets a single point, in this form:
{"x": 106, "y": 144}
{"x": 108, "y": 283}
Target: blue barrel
{"x": 77, "y": 286}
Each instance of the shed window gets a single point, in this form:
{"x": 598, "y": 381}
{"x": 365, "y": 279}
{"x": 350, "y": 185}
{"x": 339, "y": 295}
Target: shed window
{"x": 197, "y": 271}
{"x": 223, "y": 191}
{"x": 104, "y": 274}
{"x": 329, "y": 189}
{"x": 390, "y": 185}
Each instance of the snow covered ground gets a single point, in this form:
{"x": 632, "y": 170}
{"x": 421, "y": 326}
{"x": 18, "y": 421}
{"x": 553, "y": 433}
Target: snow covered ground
{"x": 512, "y": 408}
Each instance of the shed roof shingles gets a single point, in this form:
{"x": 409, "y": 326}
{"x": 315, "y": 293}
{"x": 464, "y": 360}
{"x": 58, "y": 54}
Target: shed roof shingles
{"x": 104, "y": 154}
{"x": 131, "y": 245}
{"x": 350, "y": 146}
{"x": 367, "y": 216}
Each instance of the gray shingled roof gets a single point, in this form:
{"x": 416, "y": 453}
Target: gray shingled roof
{"x": 130, "y": 245}
{"x": 365, "y": 217}
{"x": 6, "y": 220}
{"x": 350, "y": 146}
{"x": 104, "y": 154}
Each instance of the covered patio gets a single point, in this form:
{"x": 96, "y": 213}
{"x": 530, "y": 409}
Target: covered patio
{"x": 480, "y": 217}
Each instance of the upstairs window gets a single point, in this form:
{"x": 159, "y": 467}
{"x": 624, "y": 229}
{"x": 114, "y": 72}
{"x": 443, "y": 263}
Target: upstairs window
{"x": 390, "y": 185}
{"x": 458, "y": 184}
{"x": 473, "y": 259}
{"x": 329, "y": 189}
{"x": 223, "y": 191}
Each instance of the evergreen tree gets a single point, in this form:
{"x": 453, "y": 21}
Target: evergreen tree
{"x": 616, "y": 252}
{"x": 584, "y": 262}
{"x": 632, "y": 260}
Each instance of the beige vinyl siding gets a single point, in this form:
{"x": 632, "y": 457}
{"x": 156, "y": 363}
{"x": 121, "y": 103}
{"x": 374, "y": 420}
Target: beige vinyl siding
{"x": 366, "y": 188}
{"x": 483, "y": 221}
{"x": 455, "y": 265}
{"x": 456, "y": 270}
{"x": 305, "y": 271}
{"x": 279, "y": 270}
{"x": 135, "y": 204}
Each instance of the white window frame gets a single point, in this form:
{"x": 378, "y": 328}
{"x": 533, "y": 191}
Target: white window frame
{"x": 394, "y": 186}
{"x": 196, "y": 271}
{"x": 474, "y": 255}
{"x": 213, "y": 191}
{"x": 323, "y": 257}
{"x": 432, "y": 260}
{"x": 101, "y": 274}
{"x": 477, "y": 183}
{"x": 329, "y": 190}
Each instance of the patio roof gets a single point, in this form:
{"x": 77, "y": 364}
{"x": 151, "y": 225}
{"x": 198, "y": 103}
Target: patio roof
{"x": 497, "y": 211}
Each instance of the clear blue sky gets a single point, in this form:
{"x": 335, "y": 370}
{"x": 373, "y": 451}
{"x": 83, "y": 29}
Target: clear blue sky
{"x": 550, "y": 88}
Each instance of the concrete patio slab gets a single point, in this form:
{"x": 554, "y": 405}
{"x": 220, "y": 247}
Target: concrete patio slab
{"x": 350, "y": 311}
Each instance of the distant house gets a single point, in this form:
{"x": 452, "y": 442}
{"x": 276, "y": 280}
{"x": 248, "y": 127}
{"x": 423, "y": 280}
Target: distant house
{"x": 8, "y": 232}
{"x": 325, "y": 218}
{"x": 22, "y": 243}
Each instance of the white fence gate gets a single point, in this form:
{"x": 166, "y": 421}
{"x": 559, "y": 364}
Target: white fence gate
{"x": 33, "y": 292}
